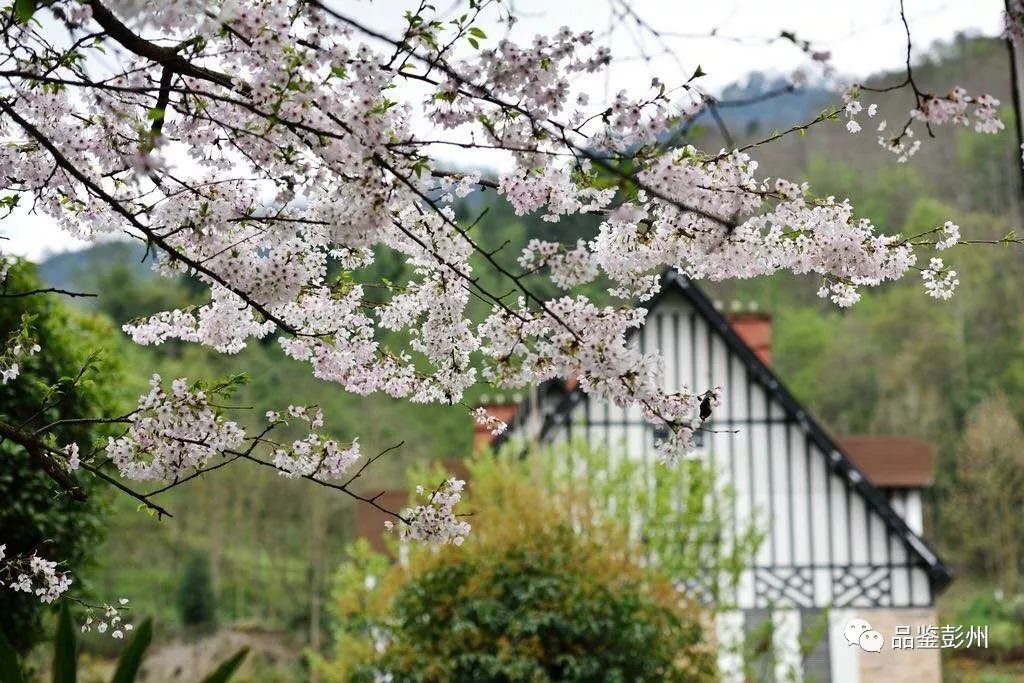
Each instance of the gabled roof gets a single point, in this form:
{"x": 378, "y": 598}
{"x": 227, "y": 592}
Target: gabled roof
{"x": 838, "y": 460}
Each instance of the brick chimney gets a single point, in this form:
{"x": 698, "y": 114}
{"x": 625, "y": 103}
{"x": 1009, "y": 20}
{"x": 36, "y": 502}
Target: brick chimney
{"x": 755, "y": 329}
{"x": 504, "y": 410}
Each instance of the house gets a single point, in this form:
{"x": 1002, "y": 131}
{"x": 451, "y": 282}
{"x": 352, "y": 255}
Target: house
{"x": 842, "y": 517}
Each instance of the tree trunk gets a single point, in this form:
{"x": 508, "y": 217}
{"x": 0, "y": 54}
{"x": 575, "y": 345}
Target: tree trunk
{"x": 1013, "y": 52}
{"x": 317, "y": 539}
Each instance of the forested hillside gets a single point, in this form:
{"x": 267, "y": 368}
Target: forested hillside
{"x": 952, "y": 373}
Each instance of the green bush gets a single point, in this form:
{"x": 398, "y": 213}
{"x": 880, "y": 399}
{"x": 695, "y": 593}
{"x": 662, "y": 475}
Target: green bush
{"x": 196, "y": 599}
{"x": 532, "y": 596}
{"x": 1004, "y": 618}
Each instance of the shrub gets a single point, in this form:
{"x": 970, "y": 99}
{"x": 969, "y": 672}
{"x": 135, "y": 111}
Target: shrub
{"x": 1004, "y": 617}
{"x": 533, "y": 595}
{"x": 196, "y": 599}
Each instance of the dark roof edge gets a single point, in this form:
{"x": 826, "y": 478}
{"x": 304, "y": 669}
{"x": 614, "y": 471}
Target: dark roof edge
{"x": 838, "y": 460}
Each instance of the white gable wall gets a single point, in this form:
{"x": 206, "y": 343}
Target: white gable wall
{"x": 827, "y": 549}
{"x": 824, "y": 546}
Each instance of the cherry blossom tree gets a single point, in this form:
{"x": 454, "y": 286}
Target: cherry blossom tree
{"x": 260, "y": 146}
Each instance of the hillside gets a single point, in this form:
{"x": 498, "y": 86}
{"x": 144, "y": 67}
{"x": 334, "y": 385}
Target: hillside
{"x": 77, "y": 269}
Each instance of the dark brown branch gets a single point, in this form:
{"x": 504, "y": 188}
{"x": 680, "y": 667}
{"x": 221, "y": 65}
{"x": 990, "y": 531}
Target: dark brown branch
{"x": 338, "y": 487}
{"x": 1012, "y": 53}
{"x": 141, "y": 497}
{"x": 162, "y": 100}
{"x": 39, "y": 453}
{"x": 47, "y": 290}
{"x": 166, "y": 56}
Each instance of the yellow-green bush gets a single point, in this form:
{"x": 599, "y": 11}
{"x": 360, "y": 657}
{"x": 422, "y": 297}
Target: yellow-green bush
{"x": 534, "y": 595}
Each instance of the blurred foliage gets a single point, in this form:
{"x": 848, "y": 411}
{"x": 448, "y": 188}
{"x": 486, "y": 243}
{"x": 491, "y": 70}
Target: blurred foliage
{"x": 65, "y": 664}
{"x": 77, "y": 374}
{"x": 1003, "y": 615}
{"x": 679, "y": 515}
{"x": 534, "y": 594}
{"x": 196, "y": 598}
{"x": 990, "y": 478}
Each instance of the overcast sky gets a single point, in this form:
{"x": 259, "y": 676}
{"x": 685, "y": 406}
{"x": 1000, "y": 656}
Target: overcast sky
{"x": 863, "y": 37}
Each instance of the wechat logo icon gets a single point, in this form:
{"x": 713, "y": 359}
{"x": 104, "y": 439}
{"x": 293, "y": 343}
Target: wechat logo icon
{"x": 859, "y": 632}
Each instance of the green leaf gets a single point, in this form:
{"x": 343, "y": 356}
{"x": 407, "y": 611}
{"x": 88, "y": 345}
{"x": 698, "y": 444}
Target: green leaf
{"x": 474, "y": 31}
{"x": 474, "y": 42}
{"x": 131, "y": 658}
{"x": 224, "y": 672}
{"x": 155, "y": 114}
{"x": 24, "y": 9}
{"x": 698, "y": 73}
{"x": 10, "y": 671}
{"x": 64, "y": 646}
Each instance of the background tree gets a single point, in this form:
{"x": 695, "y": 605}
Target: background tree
{"x": 990, "y": 492}
{"x": 79, "y": 375}
{"x": 680, "y": 517}
{"x": 196, "y": 598}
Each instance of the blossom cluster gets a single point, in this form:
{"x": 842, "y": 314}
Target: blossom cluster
{"x": 313, "y": 456}
{"x": 111, "y": 620}
{"x": 289, "y": 156}
{"x": 956, "y": 108}
{"x": 566, "y": 267}
{"x": 940, "y": 282}
{"x": 72, "y": 456}
{"x": 172, "y": 433}
{"x": 950, "y": 232}
{"x": 435, "y": 521}
{"x": 18, "y": 347}
{"x": 40, "y": 577}
{"x": 488, "y": 421}
{"x": 35, "y": 575}
{"x": 678, "y": 438}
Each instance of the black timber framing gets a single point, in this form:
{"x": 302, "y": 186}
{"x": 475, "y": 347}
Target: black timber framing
{"x": 837, "y": 460}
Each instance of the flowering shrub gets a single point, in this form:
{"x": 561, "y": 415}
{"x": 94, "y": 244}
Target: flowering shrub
{"x": 532, "y": 595}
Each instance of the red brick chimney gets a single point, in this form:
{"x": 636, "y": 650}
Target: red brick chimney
{"x": 756, "y": 330}
{"x": 499, "y": 408}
